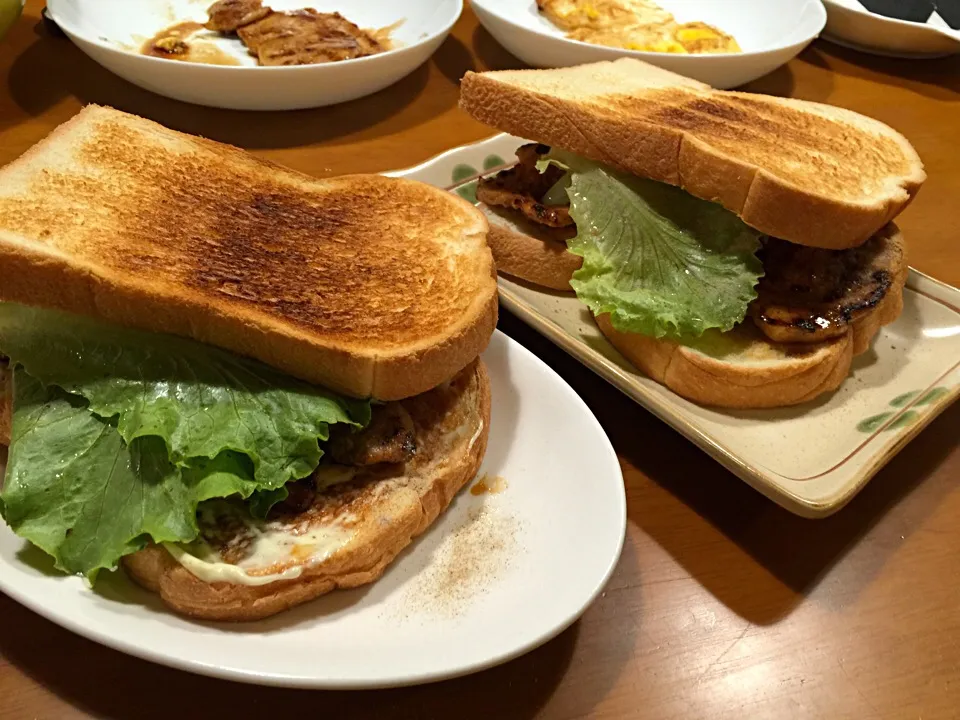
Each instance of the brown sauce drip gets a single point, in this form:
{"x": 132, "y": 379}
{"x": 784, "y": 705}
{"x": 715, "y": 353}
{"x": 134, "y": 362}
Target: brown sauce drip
{"x": 177, "y": 43}
{"x": 382, "y": 36}
{"x": 491, "y": 485}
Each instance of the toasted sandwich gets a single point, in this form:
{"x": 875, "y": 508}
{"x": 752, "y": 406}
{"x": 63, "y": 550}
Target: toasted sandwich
{"x": 739, "y": 249}
{"x": 247, "y": 386}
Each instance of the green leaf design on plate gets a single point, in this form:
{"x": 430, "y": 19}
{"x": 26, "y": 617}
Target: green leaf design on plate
{"x": 908, "y": 418}
{"x": 901, "y": 400}
{"x": 873, "y": 423}
{"x": 468, "y": 192}
{"x": 932, "y": 396}
{"x": 463, "y": 171}
{"x": 492, "y": 161}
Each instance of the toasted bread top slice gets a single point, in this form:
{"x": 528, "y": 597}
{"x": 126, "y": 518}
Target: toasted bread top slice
{"x": 805, "y": 172}
{"x": 367, "y": 285}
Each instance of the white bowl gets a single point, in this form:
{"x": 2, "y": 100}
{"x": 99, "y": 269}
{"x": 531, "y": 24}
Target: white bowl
{"x": 771, "y": 33}
{"x": 850, "y": 24}
{"x": 112, "y": 31}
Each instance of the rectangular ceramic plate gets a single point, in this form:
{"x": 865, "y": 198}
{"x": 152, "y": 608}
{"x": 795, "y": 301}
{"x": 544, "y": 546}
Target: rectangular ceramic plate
{"x": 811, "y": 459}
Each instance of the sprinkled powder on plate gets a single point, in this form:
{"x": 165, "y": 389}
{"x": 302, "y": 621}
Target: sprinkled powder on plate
{"x": 468, "y": 561}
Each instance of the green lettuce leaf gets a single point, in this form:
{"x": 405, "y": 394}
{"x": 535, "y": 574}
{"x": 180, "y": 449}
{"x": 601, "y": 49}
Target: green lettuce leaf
{"x": 199, "y": 400}
{"x": 77, "y": 491}
{"x": 658, "y": 260}
{"x": 118, "y": 435}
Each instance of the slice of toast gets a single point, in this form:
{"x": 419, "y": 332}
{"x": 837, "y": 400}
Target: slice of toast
{"x": 359, "y": 527}
{"x": 367, "y": 285}
{"x": 744, "y": 369}
{"x": 535, "y": 253}
{"x": 801, "y": 171}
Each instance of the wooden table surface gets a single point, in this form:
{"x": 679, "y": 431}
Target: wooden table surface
{"x": 723, "y": 605}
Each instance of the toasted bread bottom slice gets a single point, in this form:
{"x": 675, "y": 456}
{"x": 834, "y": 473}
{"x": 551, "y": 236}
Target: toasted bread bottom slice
{"x": 528, "y": 251}
{"x": 743, "y": 369}
{"x": 377, "y": 514}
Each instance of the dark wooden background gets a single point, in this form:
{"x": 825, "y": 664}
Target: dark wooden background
{"x": 723, "y": 605}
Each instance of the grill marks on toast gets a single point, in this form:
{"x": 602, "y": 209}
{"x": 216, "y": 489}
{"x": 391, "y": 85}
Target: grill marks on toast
{"x": 315, "y": 259}
{"x": 802, "y": 171}
{"x": 786, "y": 141}
{"x": 351, "y": 259}
{"x": 367, "y": 285}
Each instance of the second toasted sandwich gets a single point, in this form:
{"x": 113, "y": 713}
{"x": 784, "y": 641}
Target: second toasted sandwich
{"x": 737, "y": 248}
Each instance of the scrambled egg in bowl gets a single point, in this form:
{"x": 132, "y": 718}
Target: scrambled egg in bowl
{"x": 634, "y": 25}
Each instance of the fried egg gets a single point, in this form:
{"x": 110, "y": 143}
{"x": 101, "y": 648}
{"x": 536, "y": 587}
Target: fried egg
{"x": 634, "y": 25}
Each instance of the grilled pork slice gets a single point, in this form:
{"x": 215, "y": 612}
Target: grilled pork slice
{"x": 523, "y": 186}
{"x": 527, "y": 237}
{"x": 306, "y": 37}
{"x": 809, "y": 295}
{"x": 389, "y": 438}
{"x": 227, "y": 16}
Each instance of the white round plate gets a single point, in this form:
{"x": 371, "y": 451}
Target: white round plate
{"x": 497, "y": 575}
{"x": 771, "y": 33}
{"x": 112, "y": 31}
{"x": 850, "y": 24}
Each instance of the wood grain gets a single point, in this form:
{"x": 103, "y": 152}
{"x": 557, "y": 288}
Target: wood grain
{"x": 723, "y": 605}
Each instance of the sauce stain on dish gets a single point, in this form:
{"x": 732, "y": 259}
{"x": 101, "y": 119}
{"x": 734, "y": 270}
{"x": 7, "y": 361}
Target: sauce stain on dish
{"x": 382, "y": 35}
{"x": 185, "y": 41}
{"x": 294, "y": 37}
{"x": 486, "y": 484}
{"x": 179, "y": 42}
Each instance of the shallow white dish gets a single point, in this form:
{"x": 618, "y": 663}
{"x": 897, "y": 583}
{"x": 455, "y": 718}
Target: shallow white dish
{"x": 771, "y": 33}
{"x": 850, "y": 24}
{"x": 112, "y": 31}
{"x": 497, "y": 575}
{"x": 812, "y": 459}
